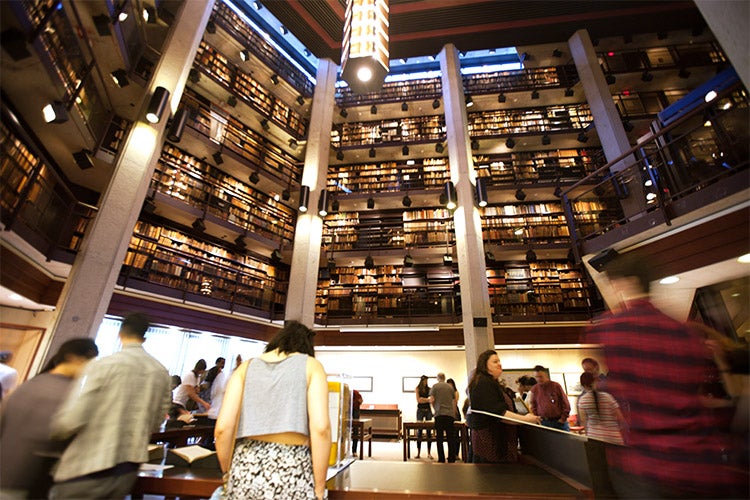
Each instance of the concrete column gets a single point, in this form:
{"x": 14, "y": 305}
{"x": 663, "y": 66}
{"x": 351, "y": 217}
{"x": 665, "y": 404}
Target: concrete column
{"x": 612, "y": 135}
{"x": 88, "y": 290}
{"x": 728, "y": 20}
{"x": 475, "y": 299}
{"x": 308, "y": 235}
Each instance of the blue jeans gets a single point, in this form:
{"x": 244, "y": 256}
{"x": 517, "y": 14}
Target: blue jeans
{"x": 422, "y": 415}
{"x": 556, "y": 424}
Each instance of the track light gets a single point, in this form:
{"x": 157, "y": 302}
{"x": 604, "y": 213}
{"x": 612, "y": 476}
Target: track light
{"x": 194, "y": 76}
{"x": 501, "y": 98}
{"x": 232, "y": 101}
{"x": 369, "y": 262}
{"x": 557, "y": 53}
{"x": 275, "y": 79}
{"x": 286, "y": 194}
{"x": 535, "y": 94}
{"x": 339, "y": 155}
{"x": 370, "y": 203}
{"x": 582, "y": 137}
{"x": 404, "y": 106}
{"x": 304, "y": 198}
{"x": 436, "y": 104}
{"x": 647, "y": 76}
{"x": 408, "y": 260}
{"x": 405, "y": 150}
{"x": 611, "y": 79}
{"x": 343, "y": 113}
{"x": 335, "y": 205}
{"x": 55, "y": 112}
{"x": 264, "y": 124}
{"x": 546, "y": 140}
{"x": 406, "y": 201}
{"x": 157, "y": 105}
{"x": 244, "y": 54}
{"x": 447, "y": 259}
{"x": 520, "y": 195}
{"x": 371, "y": 153}
{"x": 469, "y": 101}
{"x": 177, "y": 125}
{"x": 254, "y": 177}
{"x": 120, "y": 77}
{"x": 531, "y": 256}
{"x": 481, "y": 192}
{"x": 569, "y": 92}
{"x": 300, "y": 100}
{"x": 373, "y": 110}
{"x": 199, "y": 225}
{"x": 474, "y": 144}
{"x": 83, "y": 159}
{"x": 239, "y": 242}
{"x": 323, "y": 203}
{"x": 450, "y": 195}
{"x": 510, "y": 143}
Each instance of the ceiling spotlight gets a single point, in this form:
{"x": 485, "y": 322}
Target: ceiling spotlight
{"x": 218, "y": 159}
{"x": 582, "y": 137}
{"x": 474, "y": 144}
{"x": 244, "y": 55}
{"x": 408, "y": 260}
{"x": 300, "y": 100}
{"x": 469, "y": 101}
{"x": 371, "y": 153}
{"x": 149, "y": 14}
{"x": 501, "y": 98}
{"x": 439, "y": 148}
{"x": 275, "y": 79}
{"x": 406, "y": 201}
{"x": 120, "y": 77}
{"x": 611, "y": 79}
{"x": 373, "y": 110}
{"x": 211, "y": 27}
{"x": 339, "y": 155}
{"x": 254, "y": 177}
{"x": 405, "y": 150}
{"x": 177, "y": 124}
{"x": 569, "y": 92}
{"x": 520, "y": 195}
{"x": 369, "y": 262}
{"x": 343, "y": 113}
{"x": 531, "y": 256}
{"x": 647, "y": 76}
{"x": 510, "y": 143}
{"x": 199, "y": 225}
{"x": 232, "y": 101}
{"x": 370, "y": 202}
{"x": 546, "y": 140}
{"x": 557, "y": 53}
{"x": 157, "y": 104}
{"x": 535, "y": 94}
{"x": 449, "y": 190}
{"x": 436, "y": 104}
{"x": 283, "y": 30}
{"x": 404, "y": 106}
{"x": 286, "y": 194}
{"x": 55, "y": 112}
{"x": 335, "y": 205}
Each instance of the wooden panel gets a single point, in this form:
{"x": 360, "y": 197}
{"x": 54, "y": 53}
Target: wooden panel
{"x": 25, "y": 279}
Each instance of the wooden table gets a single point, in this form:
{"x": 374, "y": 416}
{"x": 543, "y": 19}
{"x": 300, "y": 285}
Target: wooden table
{"x": 410, "y": 432}
{"x": 386, "y": 419}
{"x": 182, "y": 482}
{"x": 362, "y": 431}
{"x": 183, "y": 436}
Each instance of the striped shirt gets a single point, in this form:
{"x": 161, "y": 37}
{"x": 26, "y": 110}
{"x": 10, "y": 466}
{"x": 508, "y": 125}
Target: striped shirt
{"x": 601, "y": 422}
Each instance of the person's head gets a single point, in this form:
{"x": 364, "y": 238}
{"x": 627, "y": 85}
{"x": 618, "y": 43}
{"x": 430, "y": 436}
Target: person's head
{"x": 452, "y": 383}
{"x": 220, "y": 362}
{"x": 629, "y": 274}
{"x": 72, "y": 356}
{"x": 5, "y": 356}
{"x": 488, "y": 364}
{"x": 441, "y": 377}
{"x": 422, "y": 382}
{"x": 134, "y": 327}
{"x": 200, "y": 366}
{"x": 541, "y": 374}
{"x": 294, "y": 337}
{"x": 176, "y": 381}
{"x": 588, "y": 380}
{"x": 590, "y": 365}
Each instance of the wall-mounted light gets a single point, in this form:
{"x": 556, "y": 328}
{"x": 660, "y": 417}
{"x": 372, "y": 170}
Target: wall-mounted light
{"x": 408, "y": 260}
{"x": 474, "y": 144}
{"x": 300, "y": 100}
{"x": 373, "y": 110}
{"x": 254, "y": 177}
{"x": 582, "y": 137}
{"x": 232, "y": 100}
{"x": 323, "y": 203}
{"x": 120, "y": 77}
{"x": 211, "y": 27}
{"x": 199, "y": 225}
{"x": 101, "y": 23}
{"x": 520, "y": 195}
{"x": 447, "y": 259}
{"x": 335, "y": 205}
{"x": 628, "y": 126}
{"x": 339, "y": 155}
{"x": 369, "y": 262}
{"x": 194, "y": 75}
{"x": 157, "y": 104}
{"x": 304, "y": 198}
{"x": 177, "y": 125}
{"x": 286, "y": 194}
{"x": 557, "y": 53}
{"x": 406, "y": 201}
{"x": 244, "y": 54}
{"x": 535, "y": 94}
{"x": 481, "y": 192}
{"x": 275, "y": 79}
{"x": 546, "y": 140}
{"x": 239, "y": 242}
{"x": 501, "y": 98}
{"x": 371, "y": 153}
{"x": 264, "y": 124}
{"x": 405, "y": 150}
{"x": 149, "y": 14}
{"x": 439, "y": 148}
{"x": 370, "y": 202}
{"x": 469, "y": 101}
{"x": 364, "y": 48}
{"x": 450, "y": 195}
{"x": 55, "y": 112}
{"x": 276, "y": 255}
{"x": 569, "y": 92}
{"x": 647, "y": 76}
{"x": 510, "y": 143}
{"x": 531, "y": 255}
{"x": 83, "y": 159}
{"x": 218, "y": 158}
{"x": 683, "y": 73}
{"x": 293, "y": 143}
{"x": 343, "y": 113}
{"x": 436, "y": 104}
{"x": 404, "y": 106}
{"x": 610, "y": 79}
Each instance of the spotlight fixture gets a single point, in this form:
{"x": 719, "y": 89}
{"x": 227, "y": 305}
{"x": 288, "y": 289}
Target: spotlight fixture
{"x": 683, "y": 73}
{"x": 275, "y": 79}
{"x": 101, "y": 23}
{"x": 323, "y": 203}
{"x": 535, "y": 94}
{"x": 369, "y": 262}
{"x": 293, "y": 143}
{"x": 520, "y": 195}
{"x": 149, "y": 14}
{"x": 489, "y": 257}
{"x": 304, "y": 198}
{"x": 286, "y": 194}
{"x": 218, "y": 158}
{"x": 194, "y": 76}
{"x": 339, "y": 155}
{"x": 436, "y": 104}
{"x": 408, "y": 260}
{"x": 447, "y": 259}
{"x": 371, "y": 153}
{"x": 647, "y": 76}
{"x": 335, "y": 205}
{"x": 120, "y": 77}
{"x": 370, "y": 202}
{"x": 157, "y": 104}
{"x": 239, "y": 242}
{"x": 450, "y": 195}
{"x": 501, "y": 98}
{"x": 611, "y": 79}
{"x": 439, "y": 148}
{"x": 232, "y": 101}
{"x": 149, "y": 206}
{"x": 300, "y": 100}
{"x": 177, "y": 125}
{"x": 55, "y": 112}
{"x": 474, "y": 144}
{"x": 83, "y": 159}
{"x": 406, "y": 201}
{"x": 244, "y": 54}
{"x": 525, "y": 56}
{"x": 254, "y": 177}
{"x": 264, "y": 124}
{"x": 582, "y": 137}
{"x": 531, "y": 255}
{"x": 469, "y": 101}
{"x": 558, "y": 192}
{"x": 199, "y": 225}
{"x": 628, "y": 126}
{"x": 481, "y": 192}
{"x": 546, "y": 140}
{"x": 343, "y": 113}
{"x": 405, "y": 150}
{"x": 569, "y": 92}
{"x": 510, "y": 143}
{"x": 276, "y": 255}
{"x": 373, "y": 110}
{"x": 331, "y": 264}
{"x": 283, "y": 30}
{"x": 557, "y": 53}
{"x": 404, "y": 106}
{"x": 211, "y": 27}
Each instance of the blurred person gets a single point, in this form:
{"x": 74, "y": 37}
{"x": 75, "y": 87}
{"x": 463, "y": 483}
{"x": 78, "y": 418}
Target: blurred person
{"x": 443, "y": 397}
{"x": 656, "y": 364}
{"x": 456, "y": 411}
{"x": 356, "y": 405}
{"x": 187, "y": 392}
{"x": 549, "y": 401}
{"x": 8, "y": 374}
{"x": 599, "y": 412}
{"x": 492, "y": 440}
{"x": 218, "y": 388}
{"x": 109, "y": 416}
{"x": 521, "y": 400}
{"x": 27, "y": 453}
{"x": 273, "y": 435}
{"x": 424, "y": 413}
{"x": 208, "y": 379}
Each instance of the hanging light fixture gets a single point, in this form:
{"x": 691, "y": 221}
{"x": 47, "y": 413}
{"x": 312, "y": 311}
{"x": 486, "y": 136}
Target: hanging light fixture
{"x": 408, "y": 260}
{"x": 364, "y": 51}
{"x": 406, "y": 201}
{"x": 481, "y": 192}
{"x": 304, "y": 198}
{"x": 157, "y": 104}
{"x": 369, "y": 262}
{"x": 450, "y": 195}
{"x": 177, "y": 125}
{"x": 323, "y": 203}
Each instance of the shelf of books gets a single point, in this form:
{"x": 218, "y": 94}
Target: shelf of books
{"x": 503, "y": 122}
{"x": 410, "y": 90}
{"x": 394, "y": 131}
{"x": 528, "y": 167}
{"x": 522, "y": 79}
{"x": 525, "y": 223}
{"x": 553, "y": 290}
{"x": 17, "y": 167}
{"x": 401, "y": 175}
{"x": 194, "y": 268}
{"x": 195, "y": 182}
{"x": 109, "y": 146}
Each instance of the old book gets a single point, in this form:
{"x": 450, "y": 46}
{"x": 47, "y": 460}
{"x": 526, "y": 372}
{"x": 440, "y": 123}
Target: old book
{"x": 192, "y": 456}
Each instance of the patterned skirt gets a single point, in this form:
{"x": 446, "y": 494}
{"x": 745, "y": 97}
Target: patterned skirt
{"x": 268, "y": 471}
{"x": 497, "y": 443}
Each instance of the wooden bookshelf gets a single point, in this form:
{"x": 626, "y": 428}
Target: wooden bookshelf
{"x": 410, "y": 90}
{"x": 109, "y": 146}
{"x": 563, "y": 76}
{"x": 504, "y": 122}
{"x": 394, "y": 131}
{"x": 528, "y": 167}
{"x": 529, "y": 223}
{"x": 401, "y": 175}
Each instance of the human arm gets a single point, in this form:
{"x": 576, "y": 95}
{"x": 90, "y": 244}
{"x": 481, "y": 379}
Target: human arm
{"x": 420, "y": 399}
{"x": 319, "y": 423}
{"x": 192, "y": 393}
{"x": 229, "y": 416}
{"x": 75, "y": 412}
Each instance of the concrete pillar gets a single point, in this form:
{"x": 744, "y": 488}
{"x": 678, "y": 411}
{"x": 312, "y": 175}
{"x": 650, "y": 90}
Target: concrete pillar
{"x": 475, "y": 299}
{"x": 612, "y": 135}
{"x": 88, "y": 290}
{"x": 728, "y": 20}
{"x": 308, "y": 235}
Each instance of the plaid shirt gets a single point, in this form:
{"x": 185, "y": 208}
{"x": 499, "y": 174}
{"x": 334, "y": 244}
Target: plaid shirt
{"x": 655, "y": 368}
{"x": 116, "y": 404}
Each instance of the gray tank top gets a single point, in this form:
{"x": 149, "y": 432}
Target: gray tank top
{"x": 275, "y": 397}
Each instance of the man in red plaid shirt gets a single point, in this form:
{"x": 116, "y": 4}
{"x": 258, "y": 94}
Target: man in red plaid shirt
{"x": 674, "y": 448}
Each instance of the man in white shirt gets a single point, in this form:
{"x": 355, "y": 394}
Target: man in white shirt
{"x": 8, "y": 374}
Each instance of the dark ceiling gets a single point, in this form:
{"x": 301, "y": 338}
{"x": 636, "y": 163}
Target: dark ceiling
{"x": 423, "y": 27}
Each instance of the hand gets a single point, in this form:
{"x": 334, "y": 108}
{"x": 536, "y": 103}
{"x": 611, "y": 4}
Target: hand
{"x": 532, "y": 419}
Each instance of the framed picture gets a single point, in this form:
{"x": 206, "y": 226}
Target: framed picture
{"x": 408, "y": 384}
{"x": 362, "y": 384}
{"x": 573, "y": 385}
{"x": 559, "y": 377}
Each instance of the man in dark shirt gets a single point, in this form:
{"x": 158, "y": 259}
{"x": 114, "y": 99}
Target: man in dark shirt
{"x": 549, "y": 401}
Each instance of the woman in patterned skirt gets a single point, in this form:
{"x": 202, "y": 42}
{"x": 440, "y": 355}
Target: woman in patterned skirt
{"x": 273, "y": 434}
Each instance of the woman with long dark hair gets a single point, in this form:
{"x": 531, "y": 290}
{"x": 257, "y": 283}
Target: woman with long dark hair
{"x": 599, "y": 412}
{"x": 424, "y": 413}
{"x": 492, "y": 440}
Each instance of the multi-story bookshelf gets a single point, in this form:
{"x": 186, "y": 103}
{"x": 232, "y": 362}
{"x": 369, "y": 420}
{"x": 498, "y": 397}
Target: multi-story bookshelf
{"x": 529, "y": 167}
{"x": 109, "y": 146}
{"x": 400, "y": 91}
{"x": 503, "y": 122}
{"x": 392, "y": 131}
{"x": 400, "y": 175}
{"x": 521, "y": 80}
